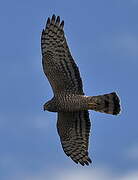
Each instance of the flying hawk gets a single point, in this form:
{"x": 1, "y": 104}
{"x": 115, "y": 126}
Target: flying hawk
{"x": 69, "y": 101}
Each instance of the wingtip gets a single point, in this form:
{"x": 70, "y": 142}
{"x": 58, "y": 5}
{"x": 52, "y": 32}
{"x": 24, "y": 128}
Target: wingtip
{"x": 53, "y": 18}
{"x": 82, "y": 163}
{"x": 85, "y": 161}
{"x": 90, "y": 161}
{"x": 48, "y": 22}
{"x": 62, "y": 24}
{"x": 75, "y": 161}
{"x": 58, "y": 20}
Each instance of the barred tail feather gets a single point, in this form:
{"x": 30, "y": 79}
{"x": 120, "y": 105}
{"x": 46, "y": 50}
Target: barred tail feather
{"x": 107, "y": 103}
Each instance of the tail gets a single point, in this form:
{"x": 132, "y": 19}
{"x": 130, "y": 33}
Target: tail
{"x": 107, "y": 103}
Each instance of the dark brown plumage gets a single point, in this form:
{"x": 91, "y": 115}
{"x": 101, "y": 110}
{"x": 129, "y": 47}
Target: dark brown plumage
{"x": 69, "y": 101}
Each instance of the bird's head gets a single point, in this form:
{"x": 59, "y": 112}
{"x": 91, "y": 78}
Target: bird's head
{"x": 49, "y": 106}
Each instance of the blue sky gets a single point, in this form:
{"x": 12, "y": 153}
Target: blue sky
{"x": 103, "y": 38}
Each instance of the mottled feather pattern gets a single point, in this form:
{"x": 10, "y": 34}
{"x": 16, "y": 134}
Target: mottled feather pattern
{"x": 57, "y": 59}
{"x": 74, "y": 129}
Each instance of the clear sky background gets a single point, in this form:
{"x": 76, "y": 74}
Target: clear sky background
{"x": 103, "y": 38}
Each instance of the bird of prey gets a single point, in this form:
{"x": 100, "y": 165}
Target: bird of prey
{"x": 69, "y": 100}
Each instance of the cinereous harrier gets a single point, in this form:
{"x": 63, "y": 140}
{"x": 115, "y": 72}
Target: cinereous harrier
{"x": 69, "y": 101}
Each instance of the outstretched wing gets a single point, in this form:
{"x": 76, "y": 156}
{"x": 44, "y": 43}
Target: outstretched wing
{"x": 58, "y": 64}
{"x": 73, "y": 129}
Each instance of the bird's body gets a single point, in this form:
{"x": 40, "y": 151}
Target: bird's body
{"x": 69, "y": 100}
